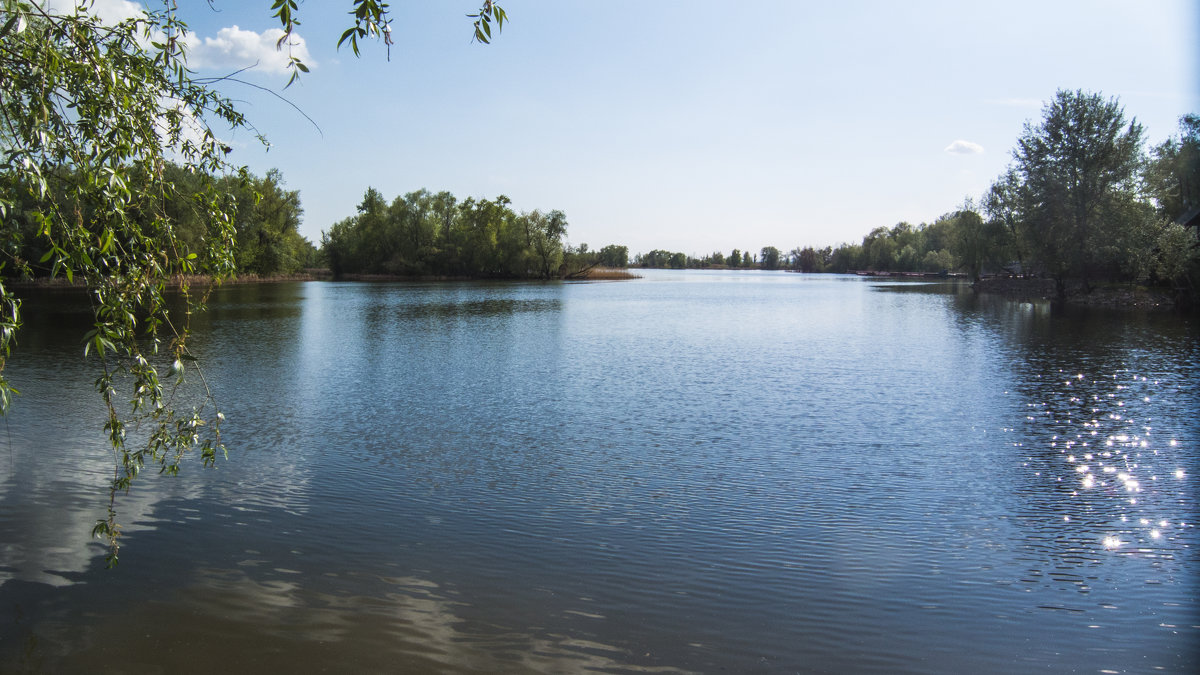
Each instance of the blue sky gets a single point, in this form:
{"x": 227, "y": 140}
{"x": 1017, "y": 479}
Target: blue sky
{"x": 693, "y": 126}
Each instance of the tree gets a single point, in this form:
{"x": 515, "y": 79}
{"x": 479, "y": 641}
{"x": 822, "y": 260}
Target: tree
{"x": 846, "y": 258}
{"x": 976, "y": 242}
{"x": 614, "y": 256}
{"x": 1078, "y": 170}
{"x": 266, "y": 221}
{"x": 1004, "y": 205}
{"x": 90, "y": 115}
{"x": 879, "y": 249}
{"x": 1179, "y": 253}
{"x": 546, "y": 232}
{"x": 770, "y": 258}
{"x": 1173, "y": 174}
{"x": 806, "y": 260}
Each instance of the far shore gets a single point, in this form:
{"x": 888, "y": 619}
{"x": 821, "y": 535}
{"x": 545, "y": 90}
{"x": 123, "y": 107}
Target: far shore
{"x": 312, "y": 274}
{"x": 1116, "y": 296}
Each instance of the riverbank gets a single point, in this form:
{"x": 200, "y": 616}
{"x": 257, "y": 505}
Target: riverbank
{"x": 310, "y": 274}
{"x": 1115, "y": 296}
{"x": 591, "y": 274}
{"x": 61, "y": 283}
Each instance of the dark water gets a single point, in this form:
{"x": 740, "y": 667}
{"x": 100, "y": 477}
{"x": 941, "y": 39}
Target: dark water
{"x": 725, "y": 472}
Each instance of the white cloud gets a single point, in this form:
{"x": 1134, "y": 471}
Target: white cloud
{"x": 961, "y": 147}
{"x": 234, "y": 48}
{"x": 111, "y": 11}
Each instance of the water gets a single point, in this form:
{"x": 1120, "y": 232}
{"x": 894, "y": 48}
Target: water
{"x": 691, "y": 472}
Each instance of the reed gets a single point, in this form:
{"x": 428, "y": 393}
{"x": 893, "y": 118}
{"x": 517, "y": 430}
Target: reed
{"x": 607, "y": 274}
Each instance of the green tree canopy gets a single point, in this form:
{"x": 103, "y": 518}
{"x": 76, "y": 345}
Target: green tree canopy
{"x": 1173, "y": 174}
{"x": 1078, "y": 169}
{"x": 770, "y": 258}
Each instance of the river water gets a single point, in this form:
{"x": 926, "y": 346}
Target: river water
{"x": 689, "y": 472}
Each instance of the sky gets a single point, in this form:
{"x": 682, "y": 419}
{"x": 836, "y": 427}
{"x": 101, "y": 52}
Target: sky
{"x": 689, "y": 126}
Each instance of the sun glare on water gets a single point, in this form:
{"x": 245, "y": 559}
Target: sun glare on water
{"x": 1115, "y": 462}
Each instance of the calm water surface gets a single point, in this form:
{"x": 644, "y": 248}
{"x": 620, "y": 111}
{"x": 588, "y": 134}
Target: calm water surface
{"x": 691, "y": 472}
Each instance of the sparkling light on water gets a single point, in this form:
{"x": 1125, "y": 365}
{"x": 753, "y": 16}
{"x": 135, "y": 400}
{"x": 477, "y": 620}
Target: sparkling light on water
{"x": 1117, "y": 479}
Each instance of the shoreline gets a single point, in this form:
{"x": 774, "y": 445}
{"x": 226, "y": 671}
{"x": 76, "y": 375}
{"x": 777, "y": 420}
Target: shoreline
{"x": 1107, "y": 296}
{"x": 309, "y": 274}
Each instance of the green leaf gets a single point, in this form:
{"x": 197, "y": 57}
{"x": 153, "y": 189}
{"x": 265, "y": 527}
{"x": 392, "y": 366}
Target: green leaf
{"x": 8, "y": 25}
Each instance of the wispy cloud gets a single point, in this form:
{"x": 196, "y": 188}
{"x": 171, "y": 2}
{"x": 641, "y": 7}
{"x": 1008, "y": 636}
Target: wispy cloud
{"x": 961, "y": 147}
{"x": 234, "y": 48}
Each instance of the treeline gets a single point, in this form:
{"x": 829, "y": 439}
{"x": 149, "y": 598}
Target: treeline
{"x": 1082, "y": 201}
{"x": 770, "y": 259}
{"x": 266, "y": 219}
{"x": 941, "y": 246}
{"x": 419, "y": 234}
{"x": 952, "y": 243}
{"x": 434, "y": 234}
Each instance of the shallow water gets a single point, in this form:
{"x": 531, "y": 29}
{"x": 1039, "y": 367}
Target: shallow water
{"x": 691, "y": 472}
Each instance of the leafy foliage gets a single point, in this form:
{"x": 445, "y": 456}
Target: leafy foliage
{"x": 1173, "y": 173}
{"x": 1078, "y": 169}
{"x": 489, "y": 12}
{"x": 372, "y": 21}
{"x": 435, "y": 234}
{"x": 112, "y": 177}
{"x": 90, "y": 115}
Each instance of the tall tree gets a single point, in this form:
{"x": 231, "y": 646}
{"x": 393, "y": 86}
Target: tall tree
{"x": 1078, "y": 168}
{"x": 267, "y": 223}
{"x": 806, "y": 259}
{"x": 545, "y": 235}
{"x": 1004, "y": 206}
{"x": 770, "y": 258}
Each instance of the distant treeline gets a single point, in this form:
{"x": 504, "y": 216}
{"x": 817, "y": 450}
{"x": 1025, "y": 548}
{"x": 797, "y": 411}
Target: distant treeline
{"x": 266, "y": 221}
{"x": 434, "y": 234}
{"x": 934, "y": 247}
{"x": 1082, "y": 201}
